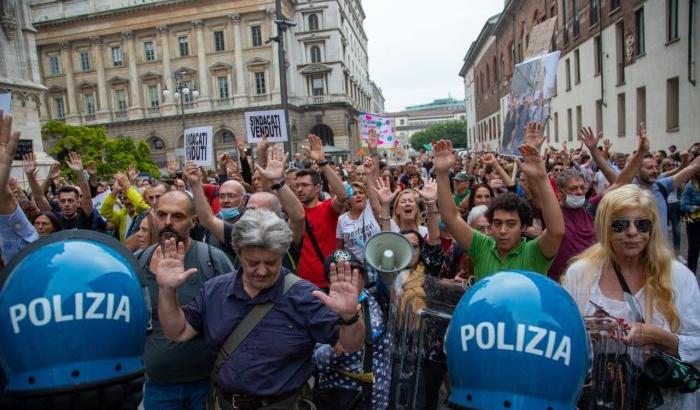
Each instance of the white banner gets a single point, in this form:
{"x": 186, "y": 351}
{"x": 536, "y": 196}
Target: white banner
{"x": 199, "y": 146}
{"x": 270, "y": 124}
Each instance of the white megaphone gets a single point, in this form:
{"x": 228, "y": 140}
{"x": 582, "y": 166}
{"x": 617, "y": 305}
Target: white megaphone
{"x": 388, "y": 253}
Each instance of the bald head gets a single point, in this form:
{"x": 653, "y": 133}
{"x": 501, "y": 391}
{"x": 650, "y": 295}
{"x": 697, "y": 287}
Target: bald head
{"x": 230, "y": 194}
{"x": 265, "y": 200}
{"x": 182, "y": 198}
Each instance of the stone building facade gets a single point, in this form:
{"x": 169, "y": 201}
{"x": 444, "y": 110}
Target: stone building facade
{"x": 614, "y": 54}
{"x": 108, "y": 63}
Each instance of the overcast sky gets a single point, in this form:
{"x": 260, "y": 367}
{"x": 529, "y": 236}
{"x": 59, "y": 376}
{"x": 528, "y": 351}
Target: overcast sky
{"x": 416, "y": 47}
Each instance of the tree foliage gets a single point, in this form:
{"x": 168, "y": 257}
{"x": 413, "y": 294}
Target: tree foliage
{"x": 455, "y": 131}
{"x": 93, "y": 144}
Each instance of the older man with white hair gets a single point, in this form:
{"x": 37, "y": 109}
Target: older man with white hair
{"x": 269, "y": 317}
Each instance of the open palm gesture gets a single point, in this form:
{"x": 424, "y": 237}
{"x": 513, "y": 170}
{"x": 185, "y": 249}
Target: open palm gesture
{"x": 429, "y": 192}
{"x": 533, "y": 134}
{"x": 75, "y": 163}
{"x": 372, "y": 141}
{"x": 169, "y": 262}
{"x": 589, "y": 139}
{"x": 29, "y": 161}
{"x": 532, "y": 164}
{"x": 274, "y": 170}
{"x": 383, "y": 191}
{"x": 443, "y": 158}
{"x": 342, "y": 297}
{"x": 315, "y": 150}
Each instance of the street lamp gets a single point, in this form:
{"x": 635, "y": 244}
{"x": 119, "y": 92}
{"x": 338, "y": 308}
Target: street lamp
{"x": 181, "y": 91}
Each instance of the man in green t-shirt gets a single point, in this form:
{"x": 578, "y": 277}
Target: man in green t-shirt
{"x": 509, "y": 216}
{"x": 461, "y": 195}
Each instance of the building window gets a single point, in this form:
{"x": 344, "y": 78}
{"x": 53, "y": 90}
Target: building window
{"x": 153, "y": 96}
{"x": 639, "y": 31}
{"x": 187, "y": 98}
{"x": 577, "y": 67}
{"x": 313, "y": 22}
{"x": 223, "y": 86}
{"x": 599, "y": 115}
{"x": 620, "y": 52}
{"x": 568, "y": 74}
{"x": 184, "y": 43}
{"x": 60, "y": 108}
{"x": 556, "y": 127}
{"x": 84, "y": 61}
{"x": 227, "y": 137}
{"x": 565, "y": 14}
{"x": 120, "y": 97}
{"x": 672, "y": 14}
{"x": 621, "y": 117}
{"x": 315, "y": 52}
{"x": 149, "y": 51}
{"x": 116, "y": 56}
{"x": 672, "y": 104}
{"x": 260, "y": 83}
{"x": 579, "y": 120}
{"x": 598, "y": 55}
{"x": 569, "y": 126}
{"x": 593, "y": 12}
{"x": 55, "y": 66}
{"x": 219, "y": 44}
{"x": 614, "y": 5}
{"x": 317, "y": 86}
{"x": 641, "y": 105}
{"x": 90, "y": 104}
{"x": 577, "y": 27}
{"x": 256, "y": 36}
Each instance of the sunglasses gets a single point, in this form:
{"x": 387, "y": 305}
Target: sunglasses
{"x": 621, "y": 225}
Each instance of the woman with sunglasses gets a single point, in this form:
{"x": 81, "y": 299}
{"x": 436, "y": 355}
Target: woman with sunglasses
{"x": 661, "y": 306}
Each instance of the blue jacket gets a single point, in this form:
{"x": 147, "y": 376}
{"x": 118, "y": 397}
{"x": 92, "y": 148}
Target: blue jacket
{"x": 690, "y": 200}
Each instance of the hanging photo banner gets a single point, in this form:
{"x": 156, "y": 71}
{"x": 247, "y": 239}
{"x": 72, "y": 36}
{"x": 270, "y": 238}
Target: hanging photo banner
{"x": 384, "y": 127}
{"x": 199, "y": 146}
{"x": 271, "y": 124}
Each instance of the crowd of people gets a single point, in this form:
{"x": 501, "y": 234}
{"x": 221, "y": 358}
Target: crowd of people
{"x": 256, "y": 270}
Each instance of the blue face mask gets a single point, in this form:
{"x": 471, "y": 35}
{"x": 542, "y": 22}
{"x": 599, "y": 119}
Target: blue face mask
{"x": 229, "y": 213}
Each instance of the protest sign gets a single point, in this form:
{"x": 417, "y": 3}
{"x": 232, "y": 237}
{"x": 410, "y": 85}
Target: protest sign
{"x": 384, "y": 127}
{"x": 271, "y": 124}
{"x": 24, "y": 147}
{"x": 5, "y": 102}
{"x": 531, "y": 92}
{"x": 199, "y": 146}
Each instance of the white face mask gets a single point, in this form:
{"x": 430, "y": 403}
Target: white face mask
{"x": 575, "y": 201}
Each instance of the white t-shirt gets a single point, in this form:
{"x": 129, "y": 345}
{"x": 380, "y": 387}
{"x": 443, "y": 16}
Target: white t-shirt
{"x": 422, "y": 230}
{"x": 582, "y": 282}
{"x": 356, "y": 232}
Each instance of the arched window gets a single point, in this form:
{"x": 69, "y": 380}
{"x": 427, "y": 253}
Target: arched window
{"x": 313, "y": 22}
{"x": 225, "y": 137}
{"x": 155, "y": 143}
{"x": 324, "y": 132}
{"x": 315, "y": 52}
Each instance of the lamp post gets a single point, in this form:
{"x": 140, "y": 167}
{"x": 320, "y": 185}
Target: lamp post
{"x": 181, "y": 93}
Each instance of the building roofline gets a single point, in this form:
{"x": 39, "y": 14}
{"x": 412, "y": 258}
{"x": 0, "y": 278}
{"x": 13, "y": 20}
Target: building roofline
{"x": 486, "y": 31}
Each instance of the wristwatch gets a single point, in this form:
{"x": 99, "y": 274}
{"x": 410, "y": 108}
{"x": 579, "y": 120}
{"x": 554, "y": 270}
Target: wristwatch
{"x": 350, "y": 321}
{"x": 322, "y": 163}
{"x": 277, "y": 186}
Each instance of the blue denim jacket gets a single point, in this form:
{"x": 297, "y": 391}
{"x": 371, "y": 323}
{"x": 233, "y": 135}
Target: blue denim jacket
{"x": 690, "y": 200}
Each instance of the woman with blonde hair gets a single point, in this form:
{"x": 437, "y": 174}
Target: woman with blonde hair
{"x": 661, "y": 306}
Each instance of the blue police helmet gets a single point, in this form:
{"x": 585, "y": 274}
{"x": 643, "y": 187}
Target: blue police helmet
{"x": 73, "y": 315}
{"x": 516, "y": 341}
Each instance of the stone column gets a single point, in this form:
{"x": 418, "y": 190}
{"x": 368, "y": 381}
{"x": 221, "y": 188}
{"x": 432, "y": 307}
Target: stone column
{"x": 240, "y": 91}
{"x": 72, "y": 115}
{"x": 103, "y": 111}
{"x": 168, "y": 104}
{"x": 275, "y": 74}
{"x": 203, "y": 101}
{"x": 135, "y": 105}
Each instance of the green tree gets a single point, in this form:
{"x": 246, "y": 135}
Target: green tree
{"x": 455, "y": 131}
{"x": 93, "y": 144}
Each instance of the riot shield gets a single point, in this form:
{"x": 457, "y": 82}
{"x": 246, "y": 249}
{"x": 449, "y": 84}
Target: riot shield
{"x": 420, "y": 310}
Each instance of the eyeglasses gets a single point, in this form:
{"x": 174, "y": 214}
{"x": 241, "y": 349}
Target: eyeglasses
{"x": 230, "y": 196}
{"x": 621, "y": 225}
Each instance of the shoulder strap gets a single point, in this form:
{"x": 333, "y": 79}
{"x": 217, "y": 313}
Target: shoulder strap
{"x": 247, "y": 325}
{"x": 205, "y": 260}
{"x": 662, "y": 189}
{"x": 629, "y": 298}
{"x": 314, "y": 243}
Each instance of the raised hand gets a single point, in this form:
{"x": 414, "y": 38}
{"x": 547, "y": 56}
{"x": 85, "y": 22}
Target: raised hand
{"x": 240, "y": 144}
{"x": 315, "y": 150}
{"x": 372, "y": 141}
{"x": 342, "y": 297}
{"x": 429, "y": 192}
{"x": 383, "y": 191}
{"x": 172, "y": 167}
{"x": 443, "y": 157}
{"x": 224, "y": 159}
{"x": 29, "y": 162}
{"x": 607, "y": 144}
{"x": 276, "y": 160}
{"x": 533, "y": 134}
{"x": 263, "y": 146}
{"x": 75, "y": 163}
{"x": 532, "y": 164}
{"x": 170, "y": 265}
{"x": 496, "y": 183}
{"x": 369, "y": 165}
{"x": 193, "y": 173}
{"x": 91, "y": 168}
{"x": 643, "y": 140}
{"x": 133, "y": 172}
{"x": 122, "y": 180}
{"x": 489, "y": 159}
{"x": 55, "y": 171}
{"x": 589, "y": 139}
{"x": 8, "y": 146}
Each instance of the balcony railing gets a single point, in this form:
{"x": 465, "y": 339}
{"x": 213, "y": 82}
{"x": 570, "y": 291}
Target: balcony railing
{"x": 154, "y": 110}
{"x": 120, "y": 114}
{"x": 224, "y": 102}
{"x": 89, "y": 117}
{"x": 187, "y": 105}
{"x": 318, "y": 99}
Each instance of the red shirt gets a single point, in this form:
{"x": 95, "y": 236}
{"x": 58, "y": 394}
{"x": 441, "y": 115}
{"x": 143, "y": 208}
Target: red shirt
{"x": 323, "y": 220}
{"x": 211, "y": 192}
